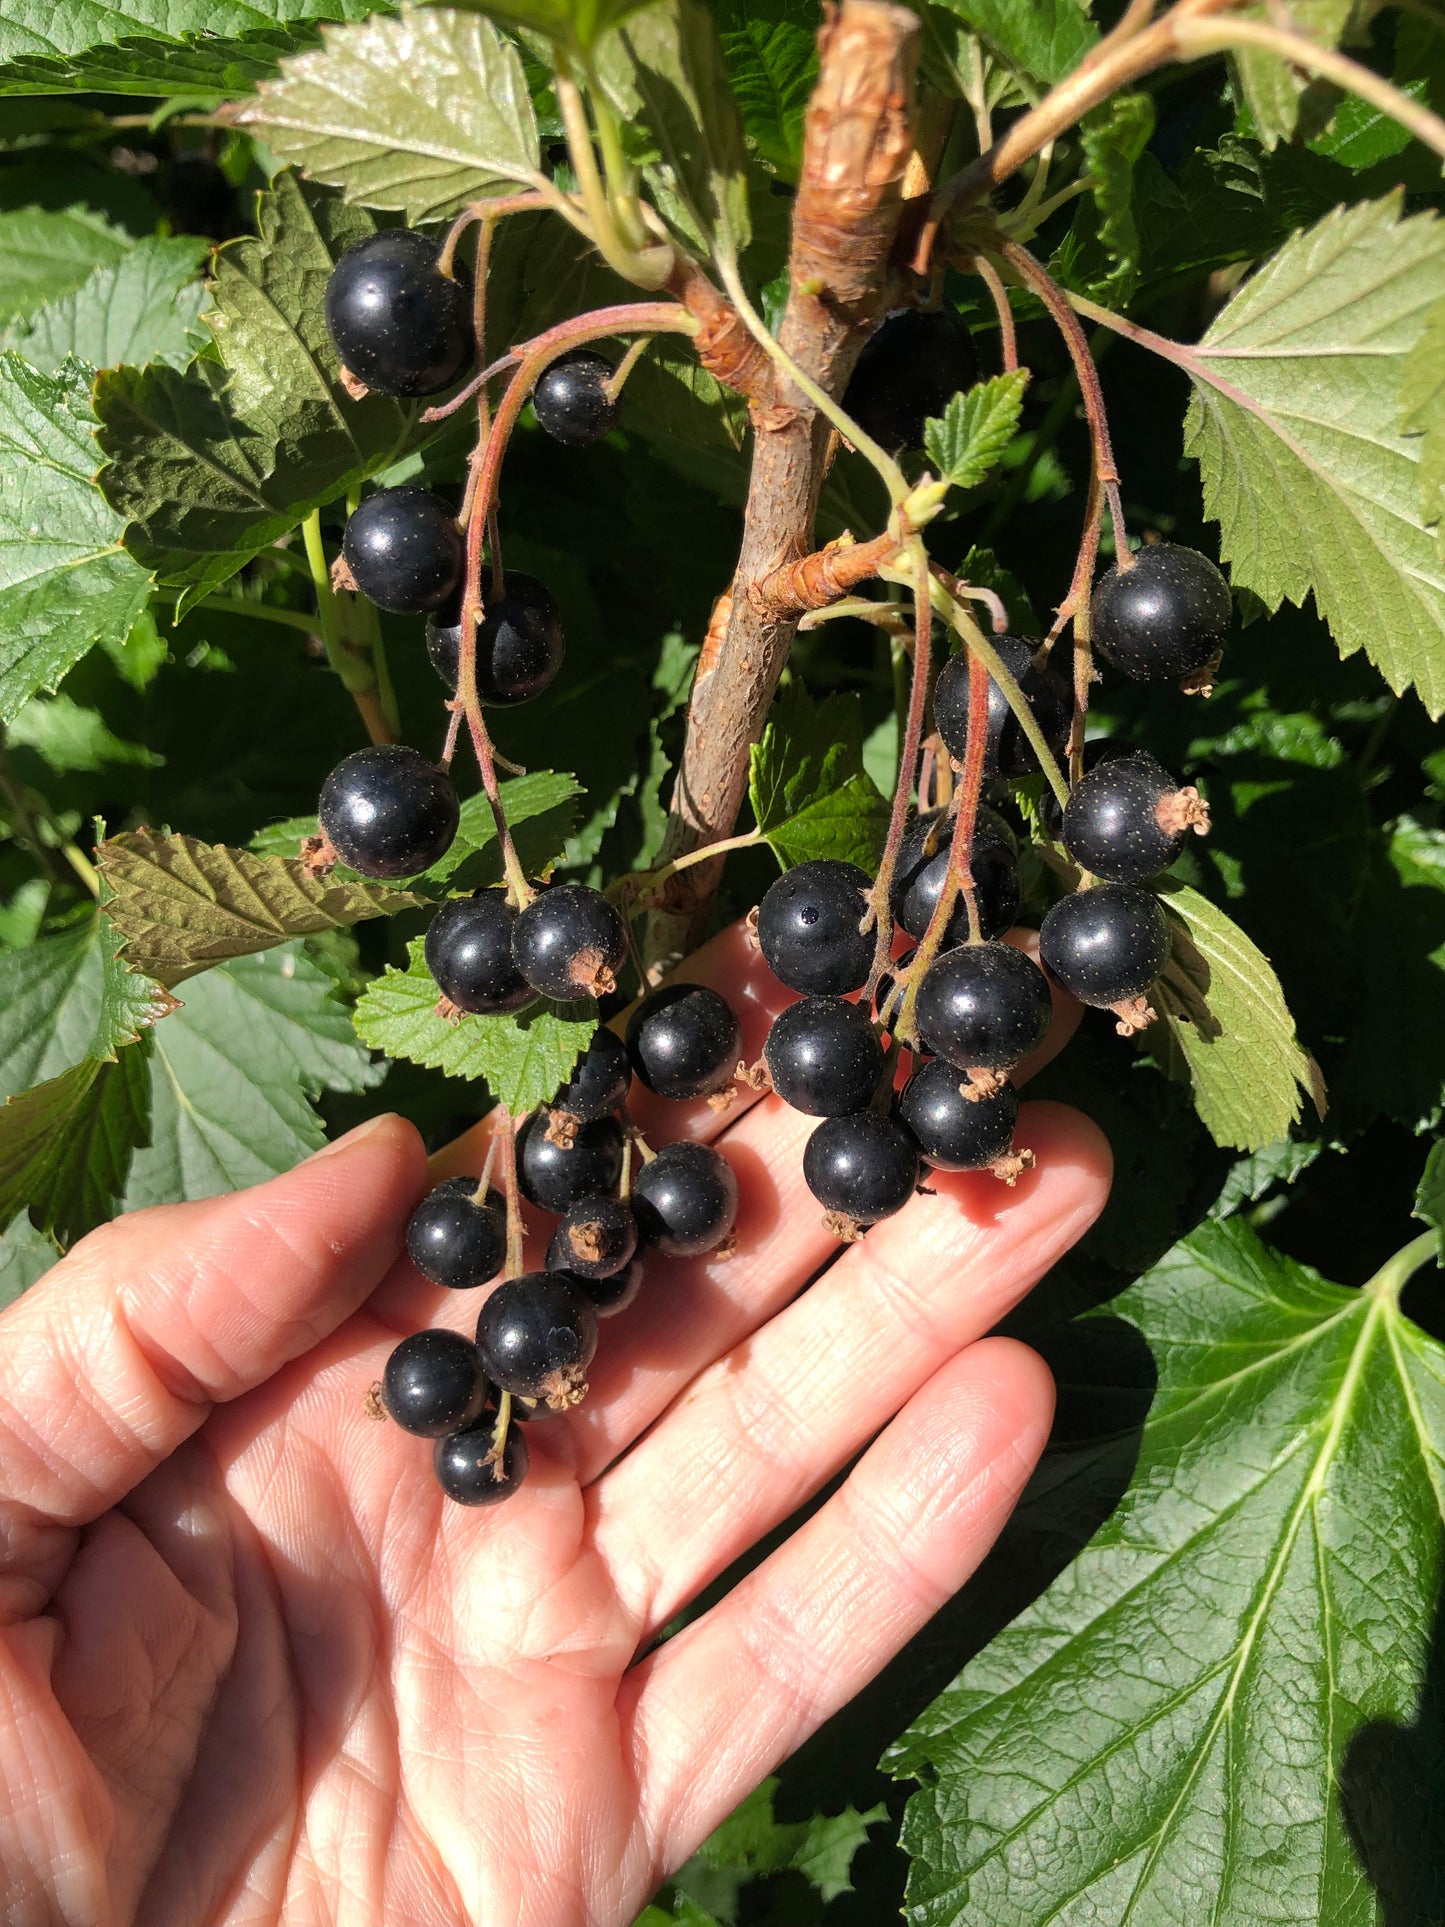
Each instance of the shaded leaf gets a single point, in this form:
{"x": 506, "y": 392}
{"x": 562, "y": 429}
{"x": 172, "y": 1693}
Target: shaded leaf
{"x": 46, "y": 252}
{"x": 967, "y": 442}
{"x": 1430, "y": 1195}
{"x": 1114, "y": 137}
{"x": 577, "y": 24}
{"x": 25, "y": 1256}
{"x": 144, "y": 307}
{"x": 71, "y": 737}
{"x": 771, "y": 51}
{"x": 68, "y": 998}
{"x": 752, "y": 1840}
{"x": 1272, "y": 88}
{"x": 1045, "y": 39}
{"x": 809, "y": 790}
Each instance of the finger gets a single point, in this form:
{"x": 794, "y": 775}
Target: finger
{"x": 118, "y": 1354}
{"x": 712, "y": 1712}
{"x": 771, "y": 1421}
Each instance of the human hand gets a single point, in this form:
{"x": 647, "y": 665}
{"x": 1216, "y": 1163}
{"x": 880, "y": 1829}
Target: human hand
{"x": 257, "y": 1669}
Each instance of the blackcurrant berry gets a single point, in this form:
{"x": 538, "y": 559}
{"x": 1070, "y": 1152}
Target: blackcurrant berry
{"x": 467, "y": 1469}
{"x": 555, "y": 1175}
{"x": 1126, "y": 820}
{"x": 469, "y": 952}
{"x": 1007, "y": 751}
{"x": 686, "y": 1200}
{"x": 404, "y": 550}
{"x": 955, "y": 1132}
{"x": 454, "y": 1241}
{"x": 520, "y": 645}
{"x": 434, "y": 1383}
{"x": 572, "y": 400}
{"x": 911, "y": 367}
{"x": 1164, "y": 618}
{"x": 570, "y": 943}
{"x": 923, "y": 868}
{"x": 1106, "y": 945}
{"x": 387, "y": 811}
{"x": 808, "y": 927}
{"x": 824, "y": 1057}
{"x": 597, "y": 1237}
{"x": 861, "y": 1168}
{"x": 613, "y": 1294}
{"x": 983, "y": 1006}
{"x": 398, "y": 323}
{"x": 536, "y": 1336}
{"x": 1100, "y": 750}
{"x": 684, "y": 1041}
{"x": 601, "y": 1080}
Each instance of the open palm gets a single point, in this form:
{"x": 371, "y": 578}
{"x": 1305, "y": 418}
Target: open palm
{"x": 254, "y": 1667}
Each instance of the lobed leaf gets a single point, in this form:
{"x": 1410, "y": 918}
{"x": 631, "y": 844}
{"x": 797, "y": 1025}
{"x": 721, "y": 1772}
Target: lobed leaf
{"x": 66, "y": 1146}
{"x": 809, "y": 790}
{"x": 48, "y": 252}
{"x": 143, "y": 307}
{"x": 753, "y": 1841}
{"x": 771, "y": 51}
{"x": 1044, "y": 40}
{"x": 1422, "y": 412}
{"x": 968, "y": 441}
{"x": 1114, "y": 138}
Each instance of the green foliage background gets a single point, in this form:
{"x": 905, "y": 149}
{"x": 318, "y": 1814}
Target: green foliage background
{"x": 1200, "y": 1676}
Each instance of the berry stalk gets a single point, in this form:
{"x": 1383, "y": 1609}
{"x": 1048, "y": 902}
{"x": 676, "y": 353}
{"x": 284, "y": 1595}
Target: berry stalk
{"x": 879, "y": 908}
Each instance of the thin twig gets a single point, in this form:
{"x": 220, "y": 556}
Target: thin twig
{"x": 1009, "y": 343}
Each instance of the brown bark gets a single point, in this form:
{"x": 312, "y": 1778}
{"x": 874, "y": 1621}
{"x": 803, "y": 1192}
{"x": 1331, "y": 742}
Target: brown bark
{"x": 858, "y": 137}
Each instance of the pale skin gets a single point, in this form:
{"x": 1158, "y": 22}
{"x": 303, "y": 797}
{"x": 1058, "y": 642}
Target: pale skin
{"x": 254, "y": 1669}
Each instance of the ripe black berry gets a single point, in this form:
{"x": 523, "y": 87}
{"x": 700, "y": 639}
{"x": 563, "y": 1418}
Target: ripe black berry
{"x": 611, "y": 1295}
{"x": 684, "y": 1041}
{"x": 404, "y": 550}
{"x": 1126, "y": 820}
{"x": 808, "y": 927}
{"x": 555, "y": 1175}
{"x": 454, "y": 1241}
{"x": 1008, "y": 751}
{"x": 387, "y": 811}
{"x": 861, "y": 1168}
{"x": 469, "y": 952}
{"x": 572, "y": 401}
{"x": 398, "y": 323}
{"x": 1106, "y": 945}
{"x": 824, "y": 1057}
{"x": 434, "y": 1383}
{"x": 1100, "y": 750}
{"x": 686, "y": 1200}
{"x": 467, "y": 1469}
{"x": 520, "y": 644}
{"x": 910, "y": 369}
{"x": 570, "y": 943}
{"x": 601, "y": 1080}
{"x": 923, "y": 868}
{"x": 536, "y": 1336}
{"x": 982, "y": 1006}
{"x": 955, "y": 1132}
{"x": 597, "y": 1237}
{"x": 1164, "y": 618}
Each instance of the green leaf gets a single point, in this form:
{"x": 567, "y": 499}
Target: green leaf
{"x": 967, "y": 442}
{"x": 25, "y": 1256}
{"x": 70, "y": 737}
{"x": 771, "y": 50}
{"x": 1222, "y": 1709}
{"x": 1114, "y": 137}
{"x": 523, "y": 1060}
{"x": 574, "y": 24}
{"x": 1044, "y": 39}
{"x": 143, "y": 307}
{"x": 421, "y": 114}
{"x": 233, "y": 1070}
{"x": 1227, "y": 1018}
{"x": 45, "y": 253}
{"x": 752, "y": 1840}
{"x": 181, "y": 905}
{"x": 1430, "y": 1193}
{"x": 1422, "y": 412}
{"x": 809, "y": 790}
{"x": 65, "y": 582}
{"x": 211, "y": 466}
{"x": 1272, "y": 88}
{"x": 67, "y": 998}
{"x": 1293, "y": 422}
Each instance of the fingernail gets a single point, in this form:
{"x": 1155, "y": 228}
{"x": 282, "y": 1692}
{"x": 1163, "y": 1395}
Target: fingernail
{"x": 351, "y": 1138}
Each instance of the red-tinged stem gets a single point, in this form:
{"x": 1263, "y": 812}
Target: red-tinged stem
{"x": 507, "y": 1127}
{"x": 879, "y": 908}
{"x": 988, "y": 274}
{"x": 486, "y": 212}
{"x": 454, "y": 728}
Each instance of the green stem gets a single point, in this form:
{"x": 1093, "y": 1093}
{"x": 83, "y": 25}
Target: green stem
{"x": 624, "y": 260}
{"x": 1392, "y": 1277}
{"x": 746, "y": 840}
{"x": 257, "y": 611}
{"x": 351, "y": 655}
{"x": 953, "y": 611}
{"x": 326, "y": 609}
{"x": 620, "y": 179}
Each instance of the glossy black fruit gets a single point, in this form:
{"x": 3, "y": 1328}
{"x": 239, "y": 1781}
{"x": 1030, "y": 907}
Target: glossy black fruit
{"x": 982, "y": 1006}
{"x": 536, "y": 1336}
{"x": 824, "y": 1057}
{"x": 808, "y": 927}
{"x": 572, "y": 401}
{"x": 686, "y": 1200}
{"x": 434, "y": 1383}
{"x": 469, "y": 952}
{"x": 601, "y": 1080}
{"x": 467, "y": 1472}
{"x": 388, "y": 811}
{"x": 1007, "y": 751}
{"x": 597, "y": 1237}
{"x": 684, "y": 1041}
{"x": 404, "y": 550}
{"x": 954, "y": 1132}
{"x": 454, "y": 1241}
{"x": 520, "y": 644}
{"x": 1127, "y": 820}
{"x": 1107, "y": 944}
{"x": 923, "y": 867}
{"x": 554, "y": 1176}
{"x": 910, "y": 369}
{"x": 398, "y": 323}
{"x": 614, "y": 1294}
{"x": 1101, "y": 749}
{"x": 863, "y": 1167}
{"x": 1165, "y": 617}
{"x": 570, "y": 943}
